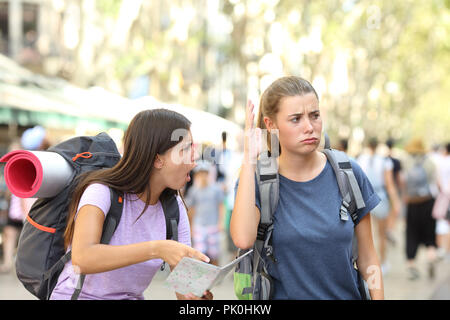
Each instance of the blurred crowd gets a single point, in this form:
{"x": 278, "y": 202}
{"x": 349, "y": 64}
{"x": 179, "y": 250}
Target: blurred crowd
{"x": 414, "y": 186}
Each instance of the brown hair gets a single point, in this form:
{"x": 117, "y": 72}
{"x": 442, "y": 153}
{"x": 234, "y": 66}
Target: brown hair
{"x": 149, "y": 133}
{"x": 288, "y": 86}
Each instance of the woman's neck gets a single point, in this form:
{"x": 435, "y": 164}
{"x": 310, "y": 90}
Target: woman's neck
{"x": 301, "y": 168}
{"x": 156, "y": 188}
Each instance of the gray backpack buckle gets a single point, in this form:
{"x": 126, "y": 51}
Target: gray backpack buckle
{"x": 262, "y": 230}
{"x": 343, "y": 213}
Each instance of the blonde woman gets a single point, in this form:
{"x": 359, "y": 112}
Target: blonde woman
{"x": 311, "y": 245}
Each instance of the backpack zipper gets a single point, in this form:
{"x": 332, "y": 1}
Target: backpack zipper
{"x": 85, "y": 155}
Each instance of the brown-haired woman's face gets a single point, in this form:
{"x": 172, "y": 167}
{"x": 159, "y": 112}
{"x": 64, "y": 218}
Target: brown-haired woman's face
{"x": 299, "y": 123}
{"x": 178, "y": 161}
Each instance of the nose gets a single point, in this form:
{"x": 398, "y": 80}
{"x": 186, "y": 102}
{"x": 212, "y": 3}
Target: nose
{"x": 307, "y": 126}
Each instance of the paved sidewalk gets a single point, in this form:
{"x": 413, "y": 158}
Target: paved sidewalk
{"x": 396, "y": 283}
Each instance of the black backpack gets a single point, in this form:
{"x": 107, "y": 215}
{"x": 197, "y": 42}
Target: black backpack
{"x": 40, "y": 253}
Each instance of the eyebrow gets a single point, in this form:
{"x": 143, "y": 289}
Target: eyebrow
{"x": 300, "y": 114}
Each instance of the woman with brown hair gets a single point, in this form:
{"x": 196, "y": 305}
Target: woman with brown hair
{"x": 156, "y": 161}
{"x": 312, "y": 247}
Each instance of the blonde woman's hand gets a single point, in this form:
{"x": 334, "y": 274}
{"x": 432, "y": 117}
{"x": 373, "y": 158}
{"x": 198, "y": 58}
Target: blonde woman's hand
{"x": 252, "y": 140}
{"x": 172, "y": 252}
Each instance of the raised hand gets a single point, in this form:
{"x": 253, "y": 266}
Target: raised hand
{"x": 252, "y": 140}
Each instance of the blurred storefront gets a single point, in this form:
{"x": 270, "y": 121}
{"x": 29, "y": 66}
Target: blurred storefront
{"x": 28, "y": 99}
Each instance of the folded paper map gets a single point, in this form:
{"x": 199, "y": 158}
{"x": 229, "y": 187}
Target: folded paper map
{"x": 194, "y": 276}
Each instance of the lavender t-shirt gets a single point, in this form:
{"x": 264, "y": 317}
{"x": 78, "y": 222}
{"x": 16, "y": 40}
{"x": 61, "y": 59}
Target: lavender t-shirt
{"x": 129, "y": 282}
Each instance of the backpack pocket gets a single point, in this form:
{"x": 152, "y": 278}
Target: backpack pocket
{"x": 243, "y": 277}
{"x": 31, "y": 261}
{"x": 263, "y": 289}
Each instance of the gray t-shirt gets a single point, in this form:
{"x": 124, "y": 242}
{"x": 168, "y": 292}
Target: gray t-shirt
{"x": 206, "y": 202}
{"x": 313, "y": 247}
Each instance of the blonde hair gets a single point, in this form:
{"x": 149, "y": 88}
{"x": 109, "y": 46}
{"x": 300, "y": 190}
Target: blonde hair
{"x": 288, "y": 86}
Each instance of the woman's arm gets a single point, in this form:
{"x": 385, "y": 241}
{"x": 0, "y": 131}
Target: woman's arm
{"x": 245, "y": 216}
{"x": 92, "y": 257}
{"x": 368, "y": 263}
{"x": 392, "y": 191}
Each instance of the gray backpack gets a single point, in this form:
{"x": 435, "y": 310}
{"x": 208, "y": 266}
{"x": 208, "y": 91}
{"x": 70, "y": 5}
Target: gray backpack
{"x": 251, "y": 277}
{"x": 417, "y": 184}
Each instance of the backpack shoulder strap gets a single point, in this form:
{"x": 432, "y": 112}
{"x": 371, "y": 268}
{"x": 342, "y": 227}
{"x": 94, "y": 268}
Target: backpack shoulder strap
{"x": 268, "y": 184}
{"x": 113, "y": 217}
{"x": 352, "y": 199}
{"x": 172, "y": 215}
{"x": 110, "y": 224}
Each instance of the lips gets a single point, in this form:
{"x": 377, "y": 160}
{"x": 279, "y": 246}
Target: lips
{"x": 309, "y": 140}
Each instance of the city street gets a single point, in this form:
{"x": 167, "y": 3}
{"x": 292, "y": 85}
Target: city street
{"x": 397, "y": 286}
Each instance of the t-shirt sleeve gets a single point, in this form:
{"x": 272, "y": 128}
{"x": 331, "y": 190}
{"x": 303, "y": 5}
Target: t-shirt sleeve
{"x": 388, "y": 164}
{"x": 97, "y": 195}
{"x": 184, "y": 230}
{"x": 370, "y": 197}
{"x": 257, "y": 197}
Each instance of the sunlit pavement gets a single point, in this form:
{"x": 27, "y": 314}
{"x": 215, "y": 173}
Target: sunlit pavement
{"x": 396, "y": 283}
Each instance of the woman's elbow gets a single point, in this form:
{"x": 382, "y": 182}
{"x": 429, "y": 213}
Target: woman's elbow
{"x": 243, "y": 242}
{"x": 242, "y": 233}
{"x": 80, "y": 263}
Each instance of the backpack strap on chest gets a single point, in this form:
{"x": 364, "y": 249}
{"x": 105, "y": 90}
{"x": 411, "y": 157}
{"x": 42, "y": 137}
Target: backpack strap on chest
{"x": 110, "y": 224}
{"x": 172, "y": 215}
{"x": 171, "y": 210}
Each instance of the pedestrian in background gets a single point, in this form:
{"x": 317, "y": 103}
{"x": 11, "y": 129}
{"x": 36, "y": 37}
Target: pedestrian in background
{"x": 342, "y": 145}
{"x": 441, "y": 209}
{"x": 419, "y": 192}
{"x": 396, "y": 172}
{"x": 379, "y": 172}
{"x": 206, "y": 210}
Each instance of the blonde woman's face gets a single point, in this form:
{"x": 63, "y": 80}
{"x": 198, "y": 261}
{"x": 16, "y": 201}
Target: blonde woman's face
{"x": 299, "y": 123}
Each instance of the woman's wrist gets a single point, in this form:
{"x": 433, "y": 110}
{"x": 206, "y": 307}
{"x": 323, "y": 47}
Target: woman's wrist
{"x": 155, "y": 249}
{"x": 248, "y": 163}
